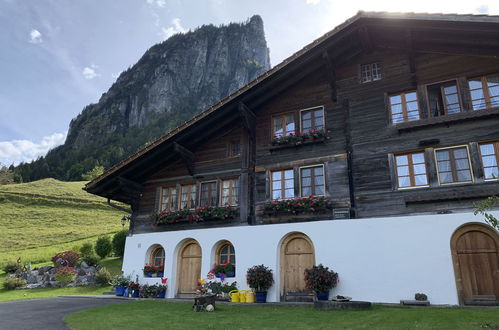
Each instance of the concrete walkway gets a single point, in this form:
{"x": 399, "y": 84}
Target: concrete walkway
{"x": 47, "y": 313}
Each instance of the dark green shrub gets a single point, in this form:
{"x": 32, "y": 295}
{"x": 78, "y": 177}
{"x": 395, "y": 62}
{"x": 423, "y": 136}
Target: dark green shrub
{"x": 87, "y": 249}
{"x": 10, "y": 267}
{"x": 103, "y": 246}
{"x": 91, "y": 260}
{"x": 13, "y": 282}
{"x": 103, "y": 277}
{"x": 65, "y": 275}
{"x": 119, "y": 242}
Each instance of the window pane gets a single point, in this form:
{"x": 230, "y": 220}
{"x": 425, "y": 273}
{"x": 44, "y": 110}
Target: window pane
{"x": 306, "y": 181}
{"x": 403, "y": 170}
{"x": 319, "y": 190}
{"x": 479, "y": 104}
{"x": 475, "y": 83}
{"x": 420, "y": 180}
{"x": 460, "y": 153}
{"x": 404, "y": 181}
{"x": 276, "y": 194}
{"x": 493, "y": 81}
{"x": 490, "y": 172}
{"x": 288, "y": 184}
{"x": 395, "y": 99}
{"x": 318, "y": 170}
{"x": 290, "y": 193}
{"x": 278, "y": 126}
{"x": 410, "y": 97}
{"x": 412, "y": 106}
{"x": 444, "y": 166}
{"x": 402, "y": 160}
{"x": 462, "y": 164}
{"x": 288, "y": 174}
{"x": 306, "y": 115}
{"x": 442, "y": 155}
{"x": 418, "y": 158}
{"x": 276, "y": 175}
{"x": 319, "y": 180}
{"x": 489, "y": 161}
{"x": 487, "y": 149}
{"x": 306, "y": 191}
{"x": 419, "y": 169}
{"x": 305, "y": 172}
{"x": 276, "y": 185}
{"x": 398, "y": 118}
{"x": 494, "y": 91}
{"x": 445, "y": 177}
{"x": 464, "y": 175}
{"x": 397, "y": 108}
{"x": 450, "y": 89}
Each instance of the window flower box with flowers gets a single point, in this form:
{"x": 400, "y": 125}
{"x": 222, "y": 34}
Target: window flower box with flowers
{"x": 298, "y": 209}
{"x": 224, "y": 270}
{"x": 154, "y": 270}
{"x": 201, "y": 214}
{"x": 299, "y": 138}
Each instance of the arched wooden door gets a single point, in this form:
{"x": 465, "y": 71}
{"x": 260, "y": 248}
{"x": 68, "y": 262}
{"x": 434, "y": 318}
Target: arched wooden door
{"x": 189, "y": 269}
{"x": 297, "y": 254}
{"x": 475, "y": 252}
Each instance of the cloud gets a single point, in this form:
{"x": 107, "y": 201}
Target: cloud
{"x": 17, "y": 151}
{"x": 35, "y": 36}
{"x": 89, "y": 72}
{"x": 313, "y": 2}
{"x": 174, "y": 29}
{"x": 483, "y": 9}
{"x": 159, "y": 3}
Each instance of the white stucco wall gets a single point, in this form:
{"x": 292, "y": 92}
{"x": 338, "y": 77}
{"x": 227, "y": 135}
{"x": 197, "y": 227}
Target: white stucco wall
{"x": 378, "y": 259}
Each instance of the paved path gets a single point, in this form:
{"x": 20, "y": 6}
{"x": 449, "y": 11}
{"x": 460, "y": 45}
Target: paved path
{"x": 47, "y": 313}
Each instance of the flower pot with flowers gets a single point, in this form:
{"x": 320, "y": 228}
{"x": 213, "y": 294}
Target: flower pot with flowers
{"x": 222, "y": 271}
{"x": 260, "y": 279}
{"x": 149, "y": 291}
{"x": 300, "y": 138}
{"x": 154, "y": 270}
{"x": 120, "y": 284}
{"x": 161, "y": 290}
{"x": 135, "y": 288}
{"x": 320, "y": 280}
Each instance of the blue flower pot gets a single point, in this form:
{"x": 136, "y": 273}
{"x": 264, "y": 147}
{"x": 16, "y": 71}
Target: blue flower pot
{"x": 160, "y": 294}
{"x": 322, "y": 295}
{"x": 160, "y": 274}
{"x": 261, "y": 296}
{"x": 120, "y": 290}
{"x": 148, "y": 274}
{"x": 136, "y": 293}
{"x": 231, "y": 274}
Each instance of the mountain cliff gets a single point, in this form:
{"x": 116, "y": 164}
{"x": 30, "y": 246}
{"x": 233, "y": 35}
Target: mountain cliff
{"x": 172, "y": 81}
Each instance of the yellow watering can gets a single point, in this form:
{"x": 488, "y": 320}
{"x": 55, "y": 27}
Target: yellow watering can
{"x": 250, "y": 296}
{"x": 242, "y": 296}
{"x": 234, "y": 296}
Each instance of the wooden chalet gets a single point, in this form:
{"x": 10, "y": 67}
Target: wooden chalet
{"x": 386, "y": 116}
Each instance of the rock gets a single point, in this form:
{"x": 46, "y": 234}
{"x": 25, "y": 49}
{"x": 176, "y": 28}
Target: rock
{"x": 91, "y": 270}
{"x": 33, "y": 286}
{"x": 83, "y": 264}
{"x": 82, "y": 272}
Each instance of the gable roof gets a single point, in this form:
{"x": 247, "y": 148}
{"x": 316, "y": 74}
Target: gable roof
{"x": 236, "y": 97}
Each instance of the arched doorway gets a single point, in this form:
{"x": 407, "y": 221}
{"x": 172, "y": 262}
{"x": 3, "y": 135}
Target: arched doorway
{"x": 189, "y": 269}
{"x": 297, "y": 254}
{"x": 475, "y": 255}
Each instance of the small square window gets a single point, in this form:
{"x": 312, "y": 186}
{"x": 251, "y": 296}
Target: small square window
{"x": 230, "y": 192}
{"x": 283, "y": 185}
{"x": 283, "y": 125}
{"x": 404, "y": 107}
{"x": 312, "y": 119}
{"x": 489, "y": 153}
{"x": 484, "y": 92}
{"x": 444, "y": 99}
{"x": 370, "y": 72}
{"x": 312, "y": 181}
{"x": 234, "y": 149}
{"x": 411, "y": 170}
{"x": 453, "y": 165}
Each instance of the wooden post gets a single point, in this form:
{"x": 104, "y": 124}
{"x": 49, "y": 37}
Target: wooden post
{"x": 248, "y": 151}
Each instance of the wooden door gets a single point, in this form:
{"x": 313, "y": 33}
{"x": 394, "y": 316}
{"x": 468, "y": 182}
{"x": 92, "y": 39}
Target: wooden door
{"x": 189, "y": 269}
{"x": 297, "y": 255}
{"x": 476, "y": 262}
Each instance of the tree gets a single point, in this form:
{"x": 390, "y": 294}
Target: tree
{"x": 93, "y": 173}
{"x": 103, "y": 246}
{"x": 119, "y": 242}
{"x": 6, "y": 175}
{"x": 482, "y": 207}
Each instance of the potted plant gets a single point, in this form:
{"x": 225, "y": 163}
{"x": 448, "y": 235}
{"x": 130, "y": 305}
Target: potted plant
{"x": 149, "y": 291}
{"x": 161, "y": 290}
{"x": 320, "y": 280}
{"x": 160, "y": 270}
{"x": 120, "y": 283}
{"x": 260, "y": 279}
{"x": 222, "y": 271}
{"x": 149, "y": 270}
{"x": 135, "y": 287}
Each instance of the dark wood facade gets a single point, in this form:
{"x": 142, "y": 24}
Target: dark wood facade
{"x": 358, "y": 159}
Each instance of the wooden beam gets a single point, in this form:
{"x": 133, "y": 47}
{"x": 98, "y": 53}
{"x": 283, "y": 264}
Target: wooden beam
{"x": 365, "y": 39}
{"x": 331, "y": 75}
{"x": 248, "y": 118}
{"x": 186, "y": 155}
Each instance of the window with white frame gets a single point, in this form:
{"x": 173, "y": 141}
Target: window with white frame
{"x": 370, "y": 72}
{"x": 453, "y": 165}
{"x": 169, "y": 199}
{"x": 312, "y": 119}
{"x": 489, "y": 153}
{"x": 188, "y": 196}
{"x": 230, "y": 191}
{"x": 312, "y": 181}
{"x": 283, "y": 185}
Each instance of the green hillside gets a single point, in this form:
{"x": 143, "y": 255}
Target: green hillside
{"x": 41, "y": 218}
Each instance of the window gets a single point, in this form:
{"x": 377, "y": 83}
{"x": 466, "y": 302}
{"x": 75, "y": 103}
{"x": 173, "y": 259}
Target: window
{"x": 453, "y": 165}
{"x": 404, "y": 107}
{"x": 489, "y": 153}
{"x": 226, "y": 254}
{"x": 312, "y": 119}
{"x": 312, "y": 181}
{"x": 234, "y": 149}
{"x": 157, "y": 256}
{"x": 208, "y": 194}
{"x": 188, "y": 200}
{"x": 283, "y": 125}
{"x": 230, "y": 192}
{"x": 370, "y": 72}
{"x": 443, "y": 99}
{"x": 484, "y": 92}
{"x": 283, "y": 184}
{"x": 169, "y": 199}
{"x": 411, "y": 170}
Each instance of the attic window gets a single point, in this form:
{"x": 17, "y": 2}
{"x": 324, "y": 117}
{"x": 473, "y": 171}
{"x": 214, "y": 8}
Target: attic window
{"x": 370, "y": 72}
{"x": 484, "y": 92}
{"x": 444, "y": 99}
{"x": 234, "y": 149}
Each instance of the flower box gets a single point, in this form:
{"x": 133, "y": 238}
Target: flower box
{"x": 201, "y": 214}
{"x": 229, "y": 274}
{"x": 299, "y": 138}
{"x": 296, "y": 144}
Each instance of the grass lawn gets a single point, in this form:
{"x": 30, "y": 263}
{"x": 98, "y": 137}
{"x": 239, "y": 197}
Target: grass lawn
{"x": 173, "y": 315}
{"x": 39, "y": 219}
{"x": 112, "y": 264}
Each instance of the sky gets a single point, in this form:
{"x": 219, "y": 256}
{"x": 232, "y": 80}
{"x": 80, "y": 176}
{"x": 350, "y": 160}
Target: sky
{"x": 57, "y": 56}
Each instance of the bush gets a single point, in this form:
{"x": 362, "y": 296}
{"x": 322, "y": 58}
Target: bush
{"x": 87, "y": 249}
{"x": 119, "y": 242}
{"x": 11, "y": 283}
{"x": 65, "y": 275}
{"x": 103, "y": 277}
{"x": 320, "y": 279}
{"x": 10, "y": 267}
{"x": 70, "y": 257}
{"x": 91, "y": 260}
{"x": 103, "y": 246}
{"x": 120, "y": 280}
{"x": 259, "y": 278}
